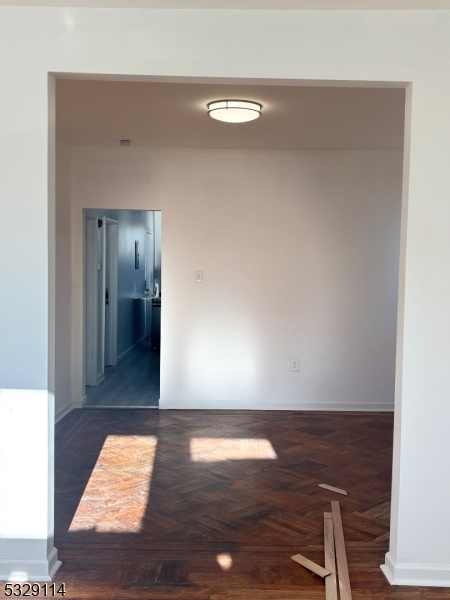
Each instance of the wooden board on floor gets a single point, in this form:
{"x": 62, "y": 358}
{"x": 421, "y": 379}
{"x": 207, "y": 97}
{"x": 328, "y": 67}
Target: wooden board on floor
{"x": 312, "y": 566}
{"x": 325, "y": 486}
{"x": 330, "y": 557}
{"x": 341, "y": 555}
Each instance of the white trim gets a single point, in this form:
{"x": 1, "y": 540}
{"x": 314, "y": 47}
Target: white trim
{"x": 36, "y": 570}
{"x": 101, "y": 303}
{"x": 274, "y": 405}
{"x": 130, "y": 350}
{"x": 91, "y": 279}
{"x": 80, "y": 403}
{"x": 416, "y": 575}
{"x": 95, "y": 300}
{"x": 250, "y": 5}
{"x": 62, "y": 411}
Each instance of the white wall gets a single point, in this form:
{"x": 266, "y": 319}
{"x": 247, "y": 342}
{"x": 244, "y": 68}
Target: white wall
{"x": 63, "y": 304}
{"x": 394, "y": 47}
{"x": 300, "y": 258}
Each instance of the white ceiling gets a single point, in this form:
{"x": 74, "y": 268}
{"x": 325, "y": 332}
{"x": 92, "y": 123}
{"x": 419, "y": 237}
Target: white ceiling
{"x": 173, "y": 115}
{"x": 245, "y": 4}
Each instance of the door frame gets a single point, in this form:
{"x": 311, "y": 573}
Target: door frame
{"x": 100, "y": 256}
{"x": 92, "y": 267}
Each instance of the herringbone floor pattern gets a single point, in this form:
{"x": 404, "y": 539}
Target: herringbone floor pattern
{"x": 149, "y": 503}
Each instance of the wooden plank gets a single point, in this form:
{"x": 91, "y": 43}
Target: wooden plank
{"x": 341, "y": 556}
{"x": 312, "y": 566}
{"x": 327, "y": 515}
{"x": 333, "y": 489}
{"x": 384, "y": 537}
{"x": 330, "y": 557}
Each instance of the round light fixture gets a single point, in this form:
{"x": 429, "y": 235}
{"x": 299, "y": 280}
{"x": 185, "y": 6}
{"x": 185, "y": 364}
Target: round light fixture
{"x": 234, "y": 111}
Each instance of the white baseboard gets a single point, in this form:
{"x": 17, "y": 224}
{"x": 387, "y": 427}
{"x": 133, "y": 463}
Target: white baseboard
{"x": 275, "y": 405}
{"x": 62, "y": 411}
{"x": 30, "y": 570}
{"x": 129, "y": 351}
{"x": 79, "y": 403}
{"x": 415, "y": 575}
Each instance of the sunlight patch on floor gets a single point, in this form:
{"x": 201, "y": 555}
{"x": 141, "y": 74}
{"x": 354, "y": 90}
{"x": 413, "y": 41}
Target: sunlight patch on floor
{"x": 221, "y": 449}
{"x": 225, "y": 561}
{"x": 116, "y": 496}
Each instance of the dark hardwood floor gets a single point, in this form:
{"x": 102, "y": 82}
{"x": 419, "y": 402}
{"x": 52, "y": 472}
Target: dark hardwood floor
{"x": 211, "y": 505}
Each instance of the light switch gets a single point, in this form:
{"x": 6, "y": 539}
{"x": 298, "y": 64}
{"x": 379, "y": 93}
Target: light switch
{"x": 199, "y": 276}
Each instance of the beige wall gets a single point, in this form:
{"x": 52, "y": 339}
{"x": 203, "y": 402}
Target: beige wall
{"x": 300, "y": 259}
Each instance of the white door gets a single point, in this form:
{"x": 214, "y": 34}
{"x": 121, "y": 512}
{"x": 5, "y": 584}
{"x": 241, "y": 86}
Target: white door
{"x": 95, "y": 301}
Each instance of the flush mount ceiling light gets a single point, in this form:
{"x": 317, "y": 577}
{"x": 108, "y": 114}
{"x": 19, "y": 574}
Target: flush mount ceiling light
{"x": 234, "y": 111}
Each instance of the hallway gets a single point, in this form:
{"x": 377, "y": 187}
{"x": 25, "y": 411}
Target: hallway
{"x": 211, "y": 505}
{"x": 134, "y": 382}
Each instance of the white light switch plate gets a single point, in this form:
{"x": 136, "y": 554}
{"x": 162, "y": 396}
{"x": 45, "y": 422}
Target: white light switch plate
{"x": 199, "y": 276}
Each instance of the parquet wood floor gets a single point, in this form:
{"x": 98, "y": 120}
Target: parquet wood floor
{"x": 211, "y": 505}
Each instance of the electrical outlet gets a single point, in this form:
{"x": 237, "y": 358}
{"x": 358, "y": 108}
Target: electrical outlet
{"x": 295, "y": 364}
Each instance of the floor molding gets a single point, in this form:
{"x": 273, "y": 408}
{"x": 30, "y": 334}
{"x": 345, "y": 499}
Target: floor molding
{"x": 129, "y": 351}
{"x": 415, "y": 575}
{"x": 79, "y": 403}
{"x": 35, "y": 570}
{"x": 62, "y": 411}
{"x": 295, "y": 406}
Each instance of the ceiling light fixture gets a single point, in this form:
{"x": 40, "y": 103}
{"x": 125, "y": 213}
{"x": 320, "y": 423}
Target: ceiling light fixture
{"x": 234, "y": 111}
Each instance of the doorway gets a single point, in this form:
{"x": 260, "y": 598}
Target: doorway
{"x": 217, "y": 348}
{"x": 122, "y": 308}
